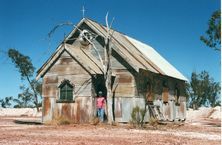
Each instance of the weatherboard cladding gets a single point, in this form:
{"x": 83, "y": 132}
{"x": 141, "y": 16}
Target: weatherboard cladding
{"x": 87, "y": 61}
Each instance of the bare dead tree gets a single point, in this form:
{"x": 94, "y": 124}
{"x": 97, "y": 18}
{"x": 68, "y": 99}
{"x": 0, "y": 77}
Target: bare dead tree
{"x": 106, "y": 64}
{"x": 71, "y": 24}
{"x": 108, "y": 69}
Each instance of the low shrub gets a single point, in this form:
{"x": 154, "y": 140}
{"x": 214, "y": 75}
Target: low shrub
{"x": 61, "y": 120}
{"x": 94, "y": 121}
{"x": 153, "y": 121}
{"x": 137, "y": 116}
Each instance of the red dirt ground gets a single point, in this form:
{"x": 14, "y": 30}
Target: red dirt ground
{"x": 11, "y": 133}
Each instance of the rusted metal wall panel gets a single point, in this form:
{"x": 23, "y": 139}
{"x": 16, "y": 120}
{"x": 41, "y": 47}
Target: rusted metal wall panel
{"x": 172, "y": 110}
{"x": 172, "y": 105}
{"x": 182, "y": 109}
{"x": 79, "y": 111}
{"x": 118, "y": 107}
{"x": 177, "y": 110}
{"x": 138, "y": 101}
{"x": 46, "y": 104}
{"x": 166, "y": 111}
{"x": 48, "y": 109}
{"x": 126, "y": 107}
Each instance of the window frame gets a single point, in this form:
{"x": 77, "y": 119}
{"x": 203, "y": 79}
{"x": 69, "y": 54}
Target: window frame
{"x": 68, "y": 99}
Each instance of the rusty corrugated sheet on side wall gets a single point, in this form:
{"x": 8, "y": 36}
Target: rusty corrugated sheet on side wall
{"x": 182, "y": 108}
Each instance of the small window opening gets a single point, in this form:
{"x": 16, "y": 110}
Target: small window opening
{"x": 66, "y": 91}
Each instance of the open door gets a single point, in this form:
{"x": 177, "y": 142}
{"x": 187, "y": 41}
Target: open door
{"x": 98, "y": 83}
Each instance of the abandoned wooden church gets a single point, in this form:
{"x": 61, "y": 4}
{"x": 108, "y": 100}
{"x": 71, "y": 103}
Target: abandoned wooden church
{"x": 73, "y": 76}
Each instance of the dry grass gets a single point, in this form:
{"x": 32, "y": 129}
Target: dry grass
{"x": 60, "y": 121}
{"x": 153, "y": 121}
{"x": 94, "y": 121}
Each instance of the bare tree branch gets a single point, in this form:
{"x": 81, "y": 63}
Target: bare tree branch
{"x": 71, "y": 24}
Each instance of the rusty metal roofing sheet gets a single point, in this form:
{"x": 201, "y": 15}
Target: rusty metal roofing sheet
{"x": 142, "y": 55}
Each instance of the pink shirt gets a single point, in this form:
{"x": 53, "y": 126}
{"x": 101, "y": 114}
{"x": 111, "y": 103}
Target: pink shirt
{"x": 100, "y": 101}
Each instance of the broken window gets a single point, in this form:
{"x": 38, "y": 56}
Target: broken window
{"x": 66, "y": 91}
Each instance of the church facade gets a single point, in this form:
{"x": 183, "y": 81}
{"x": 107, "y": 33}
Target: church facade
{"x": 73, "y": 76}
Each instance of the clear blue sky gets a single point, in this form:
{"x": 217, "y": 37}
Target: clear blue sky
{"x": 172, "y": 27}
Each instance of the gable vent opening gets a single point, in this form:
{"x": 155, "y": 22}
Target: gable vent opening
{"x": 84, "y": 36}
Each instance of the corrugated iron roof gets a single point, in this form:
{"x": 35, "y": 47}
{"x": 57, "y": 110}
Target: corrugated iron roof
{"x": 157, "y": 59}
{"x": 136, "y": 53}
{"x": 142, "y": 55}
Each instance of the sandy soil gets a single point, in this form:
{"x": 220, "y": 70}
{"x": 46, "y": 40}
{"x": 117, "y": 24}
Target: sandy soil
{"x": 11, "y": 133}
{"x": 30, "y": 112}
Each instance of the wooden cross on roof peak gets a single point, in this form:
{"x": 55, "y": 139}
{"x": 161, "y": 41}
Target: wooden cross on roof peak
{"x": 83, "y": 12}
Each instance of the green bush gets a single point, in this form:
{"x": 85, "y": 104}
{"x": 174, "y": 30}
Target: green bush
{"x": 137, "y": 116}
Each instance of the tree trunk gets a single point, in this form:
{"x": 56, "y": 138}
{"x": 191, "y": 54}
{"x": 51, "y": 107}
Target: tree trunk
{"x": 35, "y": 94}
{"x": 108, "y": 77}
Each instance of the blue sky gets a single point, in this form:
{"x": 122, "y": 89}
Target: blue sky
{"x": 172, "y": 27}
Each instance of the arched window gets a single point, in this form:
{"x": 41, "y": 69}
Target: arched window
{"x": 66, "y": 91}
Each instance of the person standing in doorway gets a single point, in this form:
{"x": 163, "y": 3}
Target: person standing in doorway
{"x": 100, "y": 105}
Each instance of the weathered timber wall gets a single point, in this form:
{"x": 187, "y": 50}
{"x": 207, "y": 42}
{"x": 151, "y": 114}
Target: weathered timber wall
{"x": 164, "y": 94}
{"x": 121, "y": 69}
{"x": 80, "y": 109}
{"x": 128, "y": 95}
